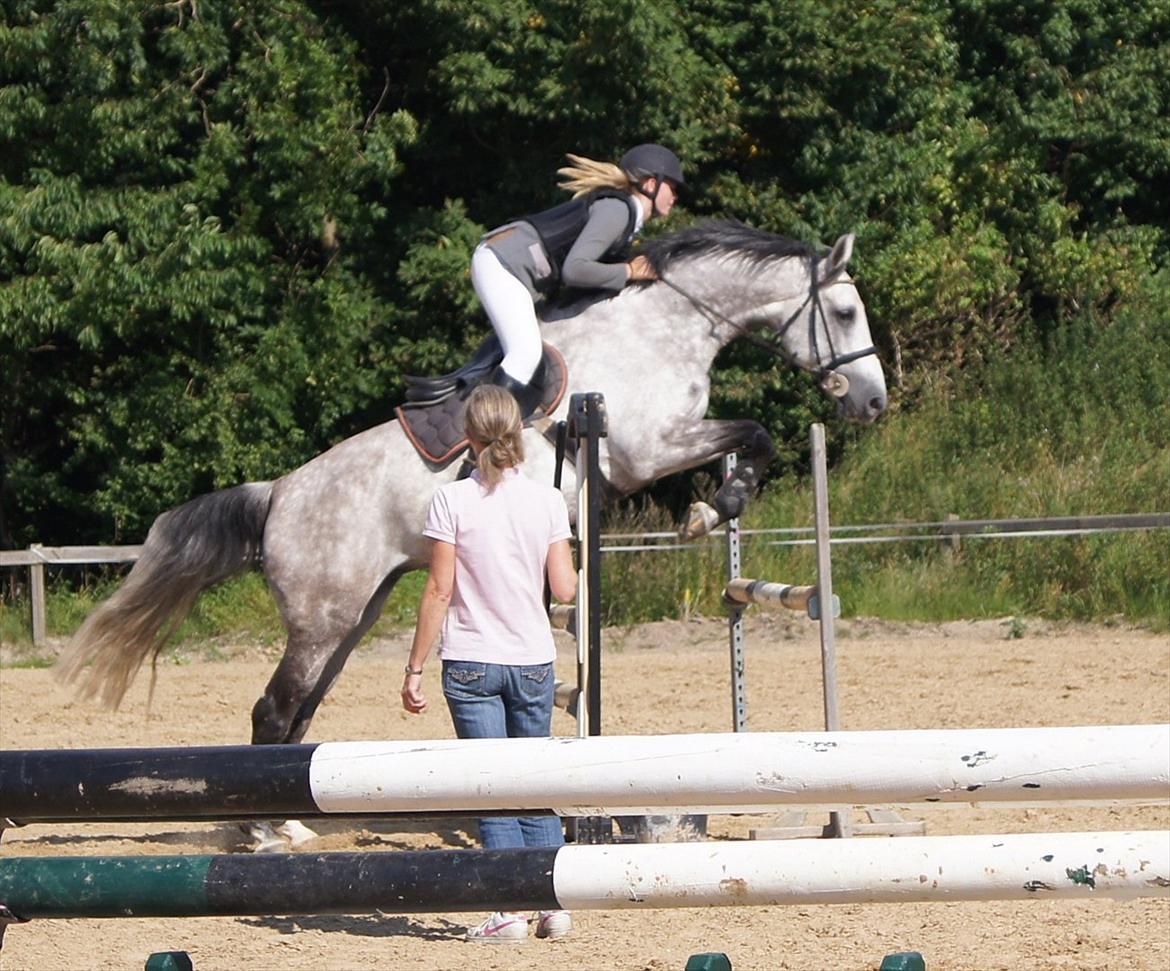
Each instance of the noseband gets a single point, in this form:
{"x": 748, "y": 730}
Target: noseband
{"x": 825, "y": 371}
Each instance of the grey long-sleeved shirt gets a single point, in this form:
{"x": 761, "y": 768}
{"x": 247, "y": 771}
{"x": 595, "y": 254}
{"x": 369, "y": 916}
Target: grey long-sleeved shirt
{"x": 607, "y": 223}
{"x": 518, "y": 247}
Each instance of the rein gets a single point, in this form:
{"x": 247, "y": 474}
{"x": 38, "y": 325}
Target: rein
{"x": 825, "y": 372}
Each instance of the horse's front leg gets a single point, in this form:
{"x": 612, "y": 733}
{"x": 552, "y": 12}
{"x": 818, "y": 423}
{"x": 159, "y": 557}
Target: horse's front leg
{"x": 713, "y": 439}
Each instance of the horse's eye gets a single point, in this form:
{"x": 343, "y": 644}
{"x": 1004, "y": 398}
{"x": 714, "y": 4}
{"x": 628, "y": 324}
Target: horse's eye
{"x": 846, "y": 314}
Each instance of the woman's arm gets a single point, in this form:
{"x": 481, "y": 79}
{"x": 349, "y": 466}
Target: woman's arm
{"x": 432, "y": 609}
{"x": 583, "y": 268}
{"x": 562, "y": 577}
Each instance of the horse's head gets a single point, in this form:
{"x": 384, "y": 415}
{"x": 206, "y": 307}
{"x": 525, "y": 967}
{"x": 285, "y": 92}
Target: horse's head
{"x": 819, "y": 324}
{"x": 828, "y": 334}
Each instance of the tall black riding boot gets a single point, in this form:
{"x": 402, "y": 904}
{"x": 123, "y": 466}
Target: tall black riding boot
{"x": 528, "y": 396}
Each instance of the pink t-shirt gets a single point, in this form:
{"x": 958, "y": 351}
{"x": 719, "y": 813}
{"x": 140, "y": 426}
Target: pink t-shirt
{"x": 501, "y": 541}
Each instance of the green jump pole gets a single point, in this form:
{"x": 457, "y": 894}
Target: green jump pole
{"x": 105, "y": 886}
{"x": 416, "y": 881}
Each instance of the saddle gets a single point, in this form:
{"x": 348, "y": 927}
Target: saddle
{"x": 432, "y": 415}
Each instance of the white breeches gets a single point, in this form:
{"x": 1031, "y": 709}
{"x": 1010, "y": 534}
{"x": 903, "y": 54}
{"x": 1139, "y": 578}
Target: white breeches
{"x": 510, "y": 308}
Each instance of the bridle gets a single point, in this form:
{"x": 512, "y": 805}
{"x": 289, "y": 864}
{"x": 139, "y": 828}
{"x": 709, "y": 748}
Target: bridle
{"x": 825, "y": 371}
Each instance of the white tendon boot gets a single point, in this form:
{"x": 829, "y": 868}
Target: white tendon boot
{"x": 281, "y": 839}
{"x": 296, "y": 832}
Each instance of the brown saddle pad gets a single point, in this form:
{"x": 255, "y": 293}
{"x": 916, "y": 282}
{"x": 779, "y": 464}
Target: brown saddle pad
{"x": 435, "y": 429}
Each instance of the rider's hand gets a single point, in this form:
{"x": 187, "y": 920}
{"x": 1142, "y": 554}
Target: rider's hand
{"x": 640, "y": 269}
{"x": 413, "y": 699}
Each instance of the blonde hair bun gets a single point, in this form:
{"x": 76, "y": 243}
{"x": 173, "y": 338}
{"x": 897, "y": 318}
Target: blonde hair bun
{"x": 492, "y": 420}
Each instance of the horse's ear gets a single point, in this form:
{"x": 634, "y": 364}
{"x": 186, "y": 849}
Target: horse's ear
{"x": 838, "y": 257}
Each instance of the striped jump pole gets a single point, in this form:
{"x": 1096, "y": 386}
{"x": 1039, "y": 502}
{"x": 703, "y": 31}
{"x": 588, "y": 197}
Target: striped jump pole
{"x": 742, "y": 591}
{"x": 563, "y": 617}
{"x": 601, "y": 775}
{"x": 584, "y": 877}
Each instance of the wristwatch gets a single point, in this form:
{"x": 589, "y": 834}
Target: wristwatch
{"x": 410, "y": 670}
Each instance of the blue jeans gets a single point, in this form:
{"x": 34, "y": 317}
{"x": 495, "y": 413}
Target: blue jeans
{"x": 504, "y": 701}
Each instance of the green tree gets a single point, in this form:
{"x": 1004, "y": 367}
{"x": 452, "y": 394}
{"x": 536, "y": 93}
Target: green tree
{"x": 185, "y": 192}
{"x": 1072, "y": 103}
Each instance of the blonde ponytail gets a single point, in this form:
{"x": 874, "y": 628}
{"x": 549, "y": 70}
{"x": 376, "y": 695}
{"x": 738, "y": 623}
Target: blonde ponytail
{"x": 492, "y": 419}
{"x": 585, "y": 175}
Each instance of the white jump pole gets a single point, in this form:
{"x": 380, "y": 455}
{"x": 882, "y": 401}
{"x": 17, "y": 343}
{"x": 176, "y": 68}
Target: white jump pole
{"x": 1050, "y": 866}
{"x": 915, "y": 868}
{"x": 588, "y": 425}
{"x": 606, "y": 775}
{"x": 581, "y": 611}
{"x": 840, "y": 820}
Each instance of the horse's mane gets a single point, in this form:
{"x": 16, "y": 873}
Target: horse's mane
{"x": 722, "y": 237}
{"x": 714, "y": 237}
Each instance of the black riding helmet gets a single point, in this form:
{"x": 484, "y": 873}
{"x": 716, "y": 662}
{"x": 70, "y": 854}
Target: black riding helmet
{"x": 654, "y": 161}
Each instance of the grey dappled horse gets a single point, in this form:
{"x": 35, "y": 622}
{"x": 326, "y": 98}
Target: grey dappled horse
{"x": 333, "y": 536}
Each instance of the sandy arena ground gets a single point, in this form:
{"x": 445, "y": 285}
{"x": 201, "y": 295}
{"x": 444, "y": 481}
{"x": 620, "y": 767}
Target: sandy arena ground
{"x": 666, "y": 677}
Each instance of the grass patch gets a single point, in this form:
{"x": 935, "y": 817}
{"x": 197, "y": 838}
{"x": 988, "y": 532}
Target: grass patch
{"x": 29, "y": 662}
{"x": 242, "y": 609}
{"x": 1079, "y": 427}
{"x": 402, "y": 605}
{"x": 243, "y": 605}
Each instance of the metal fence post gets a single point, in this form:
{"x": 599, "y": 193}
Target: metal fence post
{"x": 735, "y": 619}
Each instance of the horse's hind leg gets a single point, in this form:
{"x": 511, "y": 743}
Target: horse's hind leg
{"x": 312, "y": 662}
{"x": 310, "y": 665}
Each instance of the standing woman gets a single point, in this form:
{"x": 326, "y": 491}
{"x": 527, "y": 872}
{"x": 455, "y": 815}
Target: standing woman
{"x": 496, "y": 535}
{"x": 580, "y": 243}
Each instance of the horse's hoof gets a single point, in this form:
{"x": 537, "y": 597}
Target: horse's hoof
{"x": 264, "y": 838}
{"x": 275, "y": 845}
{"x": 296, "y": 832}
{"x": 665, "y": 829}
{"x": 701, "y": 519}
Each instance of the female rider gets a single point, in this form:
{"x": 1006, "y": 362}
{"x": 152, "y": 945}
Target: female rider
{"x": 579, "y": 243}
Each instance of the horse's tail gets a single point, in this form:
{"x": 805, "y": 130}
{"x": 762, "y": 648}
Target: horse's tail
{"x": 188, "y": 549}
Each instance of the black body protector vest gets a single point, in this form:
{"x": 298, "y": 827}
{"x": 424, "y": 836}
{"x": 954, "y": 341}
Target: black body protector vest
{"x": 560, "y": 226}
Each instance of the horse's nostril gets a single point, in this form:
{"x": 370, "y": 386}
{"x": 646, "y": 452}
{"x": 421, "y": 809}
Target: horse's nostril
{"x": 877, "y": 404}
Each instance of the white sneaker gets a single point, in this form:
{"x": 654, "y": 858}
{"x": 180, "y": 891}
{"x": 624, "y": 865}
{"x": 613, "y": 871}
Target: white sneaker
{"x": 553, "y": 924}
{"x": 500, "y": 928}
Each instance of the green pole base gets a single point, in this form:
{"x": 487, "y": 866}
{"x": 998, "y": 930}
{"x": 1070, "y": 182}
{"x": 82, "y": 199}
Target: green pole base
{"x": 169, "y": 961}
{"x": 903, "y": 961}
{"x": 711, "y": 961}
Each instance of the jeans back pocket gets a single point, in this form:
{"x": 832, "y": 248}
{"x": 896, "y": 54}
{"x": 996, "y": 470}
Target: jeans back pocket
{"x": 465, "y": 674}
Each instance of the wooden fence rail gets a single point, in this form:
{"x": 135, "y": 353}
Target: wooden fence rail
{"x": 36, "y": 557}
{"x": 949, "y": 531}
